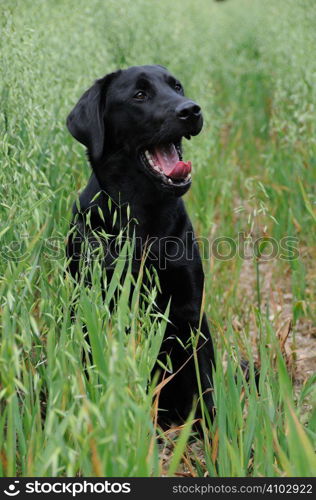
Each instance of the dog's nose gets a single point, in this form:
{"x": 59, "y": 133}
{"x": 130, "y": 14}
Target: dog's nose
{"x": 188, "y": 110}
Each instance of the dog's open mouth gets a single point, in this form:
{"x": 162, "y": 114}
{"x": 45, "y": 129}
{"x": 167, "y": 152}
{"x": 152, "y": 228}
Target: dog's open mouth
{"x": 165, "y": 162}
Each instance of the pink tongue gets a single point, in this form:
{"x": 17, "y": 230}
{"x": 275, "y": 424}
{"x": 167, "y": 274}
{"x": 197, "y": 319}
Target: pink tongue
{"x": 168, "y": 160}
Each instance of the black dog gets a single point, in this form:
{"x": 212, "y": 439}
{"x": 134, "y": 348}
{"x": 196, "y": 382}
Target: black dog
{"x": 132, "y": 123}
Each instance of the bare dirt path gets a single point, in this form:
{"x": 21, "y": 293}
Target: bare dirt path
{"x": 298, "y": 340}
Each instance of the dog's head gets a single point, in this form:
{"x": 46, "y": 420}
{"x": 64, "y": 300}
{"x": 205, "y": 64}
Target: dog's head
{"x": 140, "y": 113}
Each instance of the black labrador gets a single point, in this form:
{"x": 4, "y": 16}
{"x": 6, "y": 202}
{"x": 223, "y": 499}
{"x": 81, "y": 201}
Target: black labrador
{"x": 132, "y": 123}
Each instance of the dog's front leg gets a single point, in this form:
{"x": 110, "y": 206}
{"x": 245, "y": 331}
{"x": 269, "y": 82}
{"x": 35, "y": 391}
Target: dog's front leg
{"x": 187, "y": 347}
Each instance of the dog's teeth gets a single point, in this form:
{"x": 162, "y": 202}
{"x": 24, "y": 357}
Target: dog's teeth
{"x": 151, "y": 163}
{"x": 156, "y": 168}
{"x": 170, "y": 181}
{"x": 147, "y": 154}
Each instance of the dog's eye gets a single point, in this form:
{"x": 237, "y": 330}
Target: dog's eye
{"x": 140, "y": 95}
{"x": 178, "y": 87}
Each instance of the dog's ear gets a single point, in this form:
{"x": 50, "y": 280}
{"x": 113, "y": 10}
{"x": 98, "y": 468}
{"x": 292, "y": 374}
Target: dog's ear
{"x": 86, "y": 120}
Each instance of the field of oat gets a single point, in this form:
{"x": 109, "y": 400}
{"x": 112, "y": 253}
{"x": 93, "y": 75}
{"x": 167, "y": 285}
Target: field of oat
{"x": 251, "y": 65}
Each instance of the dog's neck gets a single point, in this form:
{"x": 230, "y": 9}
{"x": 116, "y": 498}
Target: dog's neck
{"x": 121, "y": 176}
{"x": 126, "y": 184}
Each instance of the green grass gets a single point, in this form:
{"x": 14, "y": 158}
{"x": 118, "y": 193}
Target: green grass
{"x": 251, "y": 66}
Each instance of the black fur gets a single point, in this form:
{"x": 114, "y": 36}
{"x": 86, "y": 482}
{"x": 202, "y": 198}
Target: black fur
{"x": 116, "y": 126}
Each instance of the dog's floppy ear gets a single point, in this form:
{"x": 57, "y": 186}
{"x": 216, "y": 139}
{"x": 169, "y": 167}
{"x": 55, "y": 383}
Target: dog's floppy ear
{"x": 86, "y": 120}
